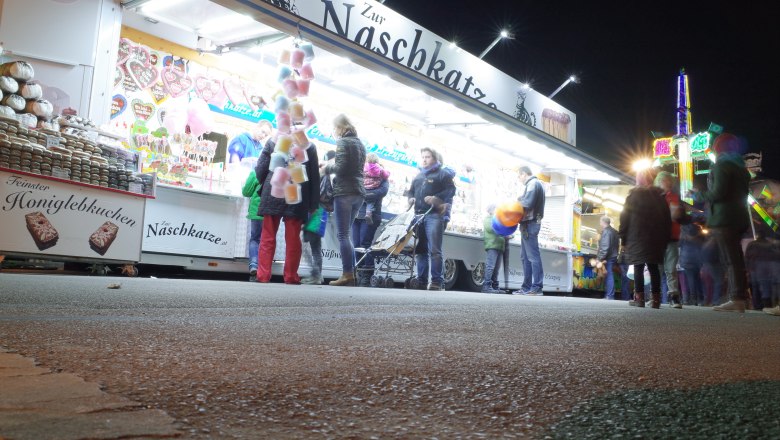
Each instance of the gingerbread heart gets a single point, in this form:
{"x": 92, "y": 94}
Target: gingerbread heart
{"x": 127, "y": 83}
{"x": 140, "y": 54}
{"x": 143, "y": 74}
{"x": 125, "y": 46}
{"x": 157, "y": 90}
{"x": 176, "y": 81}
{"x": 207, "y": 88}
{"x": 169, "y": 61}
{"x": 235, "y": 90}
{"x": 118, "y": 105}
{"x": 119, "y": 75}
{"x": 142, "y": 110}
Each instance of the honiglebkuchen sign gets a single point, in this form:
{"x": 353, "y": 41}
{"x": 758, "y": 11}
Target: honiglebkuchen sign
{"x": 42, "y": 216}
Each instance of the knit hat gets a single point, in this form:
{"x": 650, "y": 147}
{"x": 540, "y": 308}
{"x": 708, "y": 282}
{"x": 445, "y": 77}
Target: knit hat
{"x": 726, "y": 143}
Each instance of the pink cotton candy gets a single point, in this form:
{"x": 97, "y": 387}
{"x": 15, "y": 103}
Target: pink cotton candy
{"x": 296, "y": 60}
{"x": 310, "y": 119}
{"x": 306, "y": 72}
{"x": 303, "y": 87}
{"x": 277, "y": 191}
{"x": 290, "y": 87}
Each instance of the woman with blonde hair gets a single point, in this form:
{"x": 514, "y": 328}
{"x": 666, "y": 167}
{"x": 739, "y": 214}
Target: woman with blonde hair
{"x": 348, "y": 191}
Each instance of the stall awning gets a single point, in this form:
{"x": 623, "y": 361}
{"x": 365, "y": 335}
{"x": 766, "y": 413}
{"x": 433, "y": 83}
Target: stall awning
{"x": 371, "y": 58}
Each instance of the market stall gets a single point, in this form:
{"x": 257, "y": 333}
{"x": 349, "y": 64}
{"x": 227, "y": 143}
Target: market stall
{"x": 402, "y": 85}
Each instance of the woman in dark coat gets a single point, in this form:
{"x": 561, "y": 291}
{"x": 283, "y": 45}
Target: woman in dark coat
{"x": 348, "y": 192}
{"x": 645, "y": 228}
{"x": 275, "y": 209}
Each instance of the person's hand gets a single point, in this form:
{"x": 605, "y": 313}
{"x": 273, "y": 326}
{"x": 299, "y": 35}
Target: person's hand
{"x": 411, "y": 201}
{"x": 433, "y": 200}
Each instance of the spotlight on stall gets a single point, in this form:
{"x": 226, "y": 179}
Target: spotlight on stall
{"x": 642, "y": 164}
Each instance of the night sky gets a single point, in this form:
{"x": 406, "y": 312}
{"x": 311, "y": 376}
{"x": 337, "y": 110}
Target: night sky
{"x": 628, "y": 55}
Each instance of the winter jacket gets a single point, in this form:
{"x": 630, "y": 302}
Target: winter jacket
{"x": 250, "y": 190}
{"x": 728, "y": 193}
{"x": 437, "y": 181}
{"x": 310, "y": 190}
{"x": 533, "y": 200}
{"x": 645, "y": 226}
{"x": 347, "y": 168}
{"x": 375, "y": 196}
{"x": 609, "y": 244}
{"x": 244, "y": 145}
{"x": 492, "y": 240}
{"x": 691, "y": 243}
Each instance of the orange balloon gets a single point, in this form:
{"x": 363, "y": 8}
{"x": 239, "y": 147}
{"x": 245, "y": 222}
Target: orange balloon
{"x": 507, "y": 213}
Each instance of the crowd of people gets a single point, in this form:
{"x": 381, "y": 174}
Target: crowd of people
{"x": 691, "y": 256}
{"x": 698, "y": 252}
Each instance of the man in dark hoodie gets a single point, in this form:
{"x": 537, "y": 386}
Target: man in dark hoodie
{"x": 432, "y": 189}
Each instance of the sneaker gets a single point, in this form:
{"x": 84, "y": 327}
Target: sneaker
{"x": 772, "y": 310}
{"x": 736, "y": 305}
{"x": 520, "y": 292}
{"x": 490, "y": 289}
{"x": 674, "y": 301}
{"x": 435, "y": 286}
{"x": 253, "y": 272}
{"x": 313, "y": 280}
{"x": 535, "y": 293}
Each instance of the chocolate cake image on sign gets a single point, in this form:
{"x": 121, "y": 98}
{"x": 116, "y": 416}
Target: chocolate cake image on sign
{"x": 101, "y": 239}
{"x": 41, "y": 229}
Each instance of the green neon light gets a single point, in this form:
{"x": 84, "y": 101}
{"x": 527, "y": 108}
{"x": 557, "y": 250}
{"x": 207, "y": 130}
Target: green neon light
{"x": 700, "y": 143}
{"x": 762, "y": 213}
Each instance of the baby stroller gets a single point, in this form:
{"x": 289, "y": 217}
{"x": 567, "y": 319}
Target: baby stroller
{"x": 393, "y": 251}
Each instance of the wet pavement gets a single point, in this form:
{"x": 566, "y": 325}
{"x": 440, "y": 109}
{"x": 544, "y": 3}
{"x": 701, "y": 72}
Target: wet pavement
{"x": 227, "y": 359}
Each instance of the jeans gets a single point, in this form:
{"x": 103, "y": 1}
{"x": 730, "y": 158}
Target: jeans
{"x": 671, "y": 256}
{"x": 430, "y": 234}
{"x": 712, "y": 281}
{"x": 532, "y": 259}
{"x": 625, "y": 283}
{"x": 695, "y": 293}
{"x": 255, "y": 231}
{"x": 315, "y": 259}
{"x": 363, "y": 236}
{"x": 345, "y": 209}
{"x": 609, "y": 281}
{"x": 730, "y": 251}
{"x": 492, "y": 265}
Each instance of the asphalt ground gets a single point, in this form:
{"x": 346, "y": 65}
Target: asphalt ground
{"x": 231, "y": 359}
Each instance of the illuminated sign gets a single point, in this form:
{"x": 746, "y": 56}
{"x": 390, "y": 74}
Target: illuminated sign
{"x": 762, "y": 213}
{"x": 700, "y": 143}
{"x": 663, "y": 147}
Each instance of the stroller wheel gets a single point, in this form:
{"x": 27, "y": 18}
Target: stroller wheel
{"x": 413, "y": 283}
{"x": 406, "y": 283}
{"x": 389, "y": 283}
{"x": 376, "y": 281}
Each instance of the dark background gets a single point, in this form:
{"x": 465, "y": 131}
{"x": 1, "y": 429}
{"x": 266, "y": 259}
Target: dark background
{"x": 627, "y": 56}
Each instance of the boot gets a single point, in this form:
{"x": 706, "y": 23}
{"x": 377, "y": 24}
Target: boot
{"x": 346, "y": 279}
{"x": 656, "y": 300}
{"x": 638, "y": 301}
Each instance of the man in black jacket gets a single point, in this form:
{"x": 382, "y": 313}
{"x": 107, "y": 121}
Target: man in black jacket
{"x": 432, "y": 189}
{"x": 609, "y": 244}
{"x": 533, "y": 200}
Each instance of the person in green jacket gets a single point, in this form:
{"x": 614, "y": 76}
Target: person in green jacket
{"x": 494, "y": 249}
{"x": 251, "y": 189}
{"x": 729, "y": 186}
